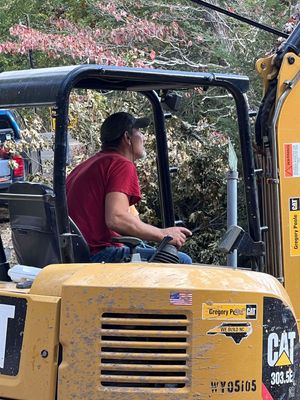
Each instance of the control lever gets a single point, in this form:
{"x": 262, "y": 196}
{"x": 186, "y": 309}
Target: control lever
{"x": 165, "y": 253}
{"x": 132, "y": 242}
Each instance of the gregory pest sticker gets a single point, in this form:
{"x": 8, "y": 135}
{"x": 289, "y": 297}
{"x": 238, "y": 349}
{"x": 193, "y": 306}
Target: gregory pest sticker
{"x": 229, "y": 311}
{"x": 294, "y": 225}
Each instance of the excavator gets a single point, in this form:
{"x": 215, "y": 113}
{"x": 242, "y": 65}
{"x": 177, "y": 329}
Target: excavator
{"x": 158, "y": 329}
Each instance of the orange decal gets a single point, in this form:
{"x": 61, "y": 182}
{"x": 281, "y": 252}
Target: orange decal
{"x": 288, "y": 160}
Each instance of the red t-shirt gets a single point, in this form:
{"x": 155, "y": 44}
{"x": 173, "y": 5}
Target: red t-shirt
{"x": 87, "y": 186}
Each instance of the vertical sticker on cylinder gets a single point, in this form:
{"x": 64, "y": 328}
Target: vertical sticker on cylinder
{"x": 294, "y": 225}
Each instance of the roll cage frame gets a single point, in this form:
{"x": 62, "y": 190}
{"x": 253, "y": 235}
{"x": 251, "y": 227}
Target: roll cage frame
{"x": 52, "y": 87}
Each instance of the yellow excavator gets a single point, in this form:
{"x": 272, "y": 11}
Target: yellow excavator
{"x": 157, "y": 330}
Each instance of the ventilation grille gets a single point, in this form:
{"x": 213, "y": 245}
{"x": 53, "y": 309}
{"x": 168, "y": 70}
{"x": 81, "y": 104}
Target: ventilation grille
{"x": 144, "y": 350}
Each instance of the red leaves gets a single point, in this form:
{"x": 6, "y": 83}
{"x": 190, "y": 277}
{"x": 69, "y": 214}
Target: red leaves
{"x": 120, "y": 45}
{"x": 112, "y": 10}
{"x": 152, "y": 55}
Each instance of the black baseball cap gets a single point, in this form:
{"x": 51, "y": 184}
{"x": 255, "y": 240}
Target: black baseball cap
{"x": 118, "y": 123}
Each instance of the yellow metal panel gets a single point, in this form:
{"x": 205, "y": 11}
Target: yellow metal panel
{"x": 37, "y": 375}
{"x": 168, "y": 276}
{"x": 266, "y": 70}
{"x": 50, "y": 280}
{"x": 11, "y": 287}
{"x": 107, "y": 313}
{"x": 288, "y": 142}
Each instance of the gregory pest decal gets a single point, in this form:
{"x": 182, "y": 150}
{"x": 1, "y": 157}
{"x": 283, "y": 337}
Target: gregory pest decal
{"x": 294, "y": 225}
{"x": 12, "y": 321}
{"x": 281, "y": 355}
{"x": 223, "y": 311}
{"x": 236, "y": 331}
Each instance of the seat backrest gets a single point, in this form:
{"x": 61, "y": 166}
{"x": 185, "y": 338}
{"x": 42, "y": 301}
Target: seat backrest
{"x": 34, "y": 230}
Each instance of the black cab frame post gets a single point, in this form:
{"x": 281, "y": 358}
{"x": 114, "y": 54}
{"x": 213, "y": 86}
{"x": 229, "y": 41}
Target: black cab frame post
{"x": 59, "y": 178}
{"x": 248, "y": 165}
{"x": 163, "y": 168}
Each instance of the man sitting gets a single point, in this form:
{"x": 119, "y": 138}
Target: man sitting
{"x": 101, "y": 190}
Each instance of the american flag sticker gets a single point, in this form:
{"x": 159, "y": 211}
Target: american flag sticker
{"x": 181, "y": 298}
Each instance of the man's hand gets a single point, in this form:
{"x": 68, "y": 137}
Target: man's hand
{"x": 179, "y": 235}
{"x": 118, "y": 219}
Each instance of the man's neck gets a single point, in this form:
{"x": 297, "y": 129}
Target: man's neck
{"x": 125, "y": 152}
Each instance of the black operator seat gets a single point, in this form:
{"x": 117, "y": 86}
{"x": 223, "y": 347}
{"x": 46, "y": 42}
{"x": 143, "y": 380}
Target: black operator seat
{"x": 34, "y": 230}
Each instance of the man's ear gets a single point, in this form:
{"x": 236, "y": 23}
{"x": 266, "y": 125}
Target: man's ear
{"x": 127, "y": 137}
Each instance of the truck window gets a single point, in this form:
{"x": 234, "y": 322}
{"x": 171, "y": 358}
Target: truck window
{"x": 4, "y": 123}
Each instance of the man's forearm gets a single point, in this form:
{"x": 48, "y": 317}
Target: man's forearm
{"x": 127, "y": 224}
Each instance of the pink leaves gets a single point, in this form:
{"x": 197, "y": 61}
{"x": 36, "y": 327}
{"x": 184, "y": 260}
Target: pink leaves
{"x": 99, "y": 46}
{"x": 9, "y": 48}
{"x": 126, "y": 40}
{"x": 152, "y": 55}
{"x": 111, "y": 9}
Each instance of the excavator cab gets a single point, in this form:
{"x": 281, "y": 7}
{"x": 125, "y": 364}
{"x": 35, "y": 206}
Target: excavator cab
{"x": 53, "y": 210}
{"x": 138, "y": 330}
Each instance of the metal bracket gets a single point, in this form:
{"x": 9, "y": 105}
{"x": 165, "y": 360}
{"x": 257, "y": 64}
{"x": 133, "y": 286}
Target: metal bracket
{"x": 237, "y": 239}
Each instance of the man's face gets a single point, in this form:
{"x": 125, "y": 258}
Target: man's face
{"x": 137, "y": 143}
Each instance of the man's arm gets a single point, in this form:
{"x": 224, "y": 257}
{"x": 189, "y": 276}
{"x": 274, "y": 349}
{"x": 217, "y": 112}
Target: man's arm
{"x": 118, "y": 219}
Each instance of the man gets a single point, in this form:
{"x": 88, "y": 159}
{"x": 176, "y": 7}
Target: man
{"x": 101, "y": 190}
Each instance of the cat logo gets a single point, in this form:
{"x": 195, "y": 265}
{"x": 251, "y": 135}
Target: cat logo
{"x": 281, "y": 349}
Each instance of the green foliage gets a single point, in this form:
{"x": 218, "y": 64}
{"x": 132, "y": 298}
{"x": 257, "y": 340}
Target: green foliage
{"x": 199, "y": 185}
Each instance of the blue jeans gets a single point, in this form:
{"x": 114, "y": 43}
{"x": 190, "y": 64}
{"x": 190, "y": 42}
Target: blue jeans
{"x": 118, "y": 254}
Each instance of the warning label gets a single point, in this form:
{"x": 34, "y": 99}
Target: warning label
{"x": 292, "y": 160}
{"x": 225, "y": 311}
{"x": 294, "y": 224}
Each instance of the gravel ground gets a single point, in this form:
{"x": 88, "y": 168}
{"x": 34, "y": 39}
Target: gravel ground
{"x": 6, "y": 235}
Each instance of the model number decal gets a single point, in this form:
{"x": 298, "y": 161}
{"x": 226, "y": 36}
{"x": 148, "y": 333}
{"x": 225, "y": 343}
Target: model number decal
{"x": 279, "y": 378}
{"x": 233, "y": 386}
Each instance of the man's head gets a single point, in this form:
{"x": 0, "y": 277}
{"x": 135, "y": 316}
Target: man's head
{"x": 123, "y": 129}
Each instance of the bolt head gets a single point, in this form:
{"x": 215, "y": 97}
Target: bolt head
{"x": 44, "y": 353}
